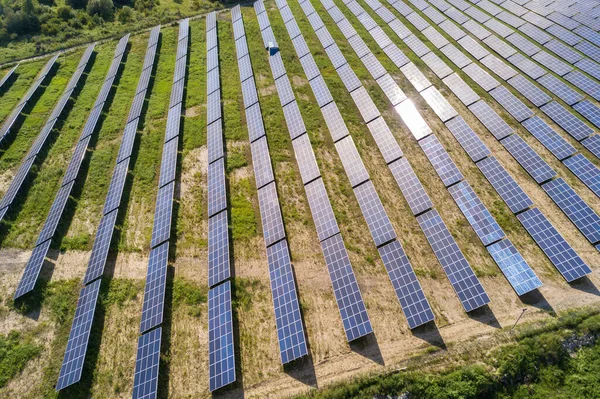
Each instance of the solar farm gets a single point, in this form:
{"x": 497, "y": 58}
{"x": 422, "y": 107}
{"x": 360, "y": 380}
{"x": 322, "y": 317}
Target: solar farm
{"x": 278, "y": 196}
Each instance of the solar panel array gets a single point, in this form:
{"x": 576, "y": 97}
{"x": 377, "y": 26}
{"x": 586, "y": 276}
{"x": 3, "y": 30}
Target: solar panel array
{"x": 19, "y": 179}
{"x": 10, "y": 120}
{"x": 80, "y": 330}
{"x": 7, "y": 76}
{"x": 288, "y": 320}
{"x": 34, "y": 264}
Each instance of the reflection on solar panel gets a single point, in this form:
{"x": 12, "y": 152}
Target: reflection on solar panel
{"x": 290, "y": 331}
{"x": 481, "y": 77}
{"x": 415, "y": 77}
{"x": 391, "y": 89}
{"x": 411, "y": 186}
{"x": 101, "y": 246}
{"x": 161, "y": 230}
{"x": 221, "y": 361}
{"x": 580, "y": 213}
{"x": 413, "y": 119}
{"x": 462, "y": 90}
{"x": 569, "y": 122}
{"x": 145, "y": 380}
{"x": 377, "y": 220}
{"x": 468, "y": 139}
{"x": 441, "y": 161}
{"x": 554, "y": 142}
{"x": 516, "y": 270}
{"x": 466, "y": 285}
{"x": 154, "y": 292}
{"x": 586, "y": 171}
{"x": 218, "y": 249}
{"x": 439, "y": 104}
{"x": 72, "y": 365}
{"x": 476, "y": 213}
{"x": 560, "y": 253}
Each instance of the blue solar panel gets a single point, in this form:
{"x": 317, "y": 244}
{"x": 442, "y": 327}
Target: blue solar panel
{"x": 101, "y": 246}
{"x": 307, "y": 163}
{"x": 16, "y": 183}
{"x": 154, "y": 292}
{"x": 385, "y": 140}
{"x": 569, "y": 122}
{"x": 217, "y": 194}
{"x": 147, "y": 362}
{"x": 529, "y": 90}
{"x": 163, "y": 212}
{"x": 372, "y": 209}
{"x": 586, "y": 171}
{"x": 32, "y": 269}
{"x": 352, "y": 162}
{"x": 441, "y": 161}
{"x": 72, "y": 365}
{"x": 293, "y": 119}
{"x": 590, "y": 111}
{"x": 560, "y": 253}
{"x": 580, "y": 213}
{"x": 554, "y": 142}
{"x": 514, "y": 267}
{"x": 290, "y": 330}
{"x": 411, "y": 186}
{"x": 261, "y": 162}
{"x": 60, "y": 201}
{"x": 589, "y": 86}
{"x": 482, "y": 221}
{"x": 504, "y": 184}
{"x": 491, "y": 120}
{"x": 560, "y": 89}
{"x": 511, "y": 103}
{"x": 466, "y": 285}
{"x": 468, "y": 139}
{"x": 528, "y": 158}
{"x": 345, "y": 288}
{"x": 218, "y": 249}
{"x": 221, "y": 356}
{"x": 481, "y": 77}
{"x": 270, "y": 214}
{"x": 321, "y": 209}
{"x": 593, "y": 144}
{"x": 408, "y": 289}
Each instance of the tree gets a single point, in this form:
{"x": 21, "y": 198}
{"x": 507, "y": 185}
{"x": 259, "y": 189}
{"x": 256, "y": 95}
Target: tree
{"x": 102, "y": 8}
{"x": 77, "y": 4}
{"x": 124, "y": 15}
{"x": 65, "y": 13}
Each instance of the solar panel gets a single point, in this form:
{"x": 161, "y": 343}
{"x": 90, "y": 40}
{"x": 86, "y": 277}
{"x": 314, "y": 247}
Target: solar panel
{"x": 511, "y": 103}
{"x": 580, "y": 213}
{"x": 413, "y": 119}
{"x": 589, "y": 49}
{"x": 358, "y": 44}
{"x": 441, "y": 161}
{"x": 16, "y": 183}
{"x": 380, "y": 36}
{"x": 399, "y": 29}
{"x": 321, "y": 92}
{"x": 277, "y": 67}
{"x": 32, "y": 269}
{"x": 145, "y": 380}
{"x": 569, "y": 122}
{"x": 588, "y": 85}
{"x": 489, "y": 7}
{"x": 249, "y": 92}
{"x": 466, "y": 285}
{"x": 415, "y": 77}
{"x": 499, "y": 67}
{"x": 537, "y": 20}
{"x": 373, "y": 66}
{"x": 417, "y": 21}
{"x": 439, "y": 104}
{"x": 559, "y": 147}
{"x": 592, "y": 143}
{"x": 416, "y": 45}
{"x": 311, "y": 70}
{"x": 177, "y": 89}
{"x": 115, "y": 190}
{"x": 477, "y": 14}
{"x": 72, "y": 365}
{"x": 434, "y": 15}
{"x": 411, "y": 186}
{"x": 335, "y": 122}
{"x": 564, "y": 34}
{"x": 514, "y": 8}
{"x": 294, "y": 120}
{"x": 586, "y": 171}
{"x": 221, "y": 356}
{"x": 563, "y": 51}
{"x": 589, "y": 110}
{"x": 214, "y": 137}
{"x": 324, "y": 35}
{"x": 435, "y": 37}
{"x": 491, "y": 120}
{"x": 347, "y": 293}
{"x": 476, "y": 29}
{"x": 385, "y": 140}
{"x": 510, "y": 19}
{"x": 372, "y": 209}
{"x": 352, "y": 162}
{"x": 244, "y": 67}
{"x": 499, "y": 46}
{"x": 213, "y": 105}
{"x": 438, "y": 66}
{"x": 293, "y": 29}
{"x": 460, "y": 89}
{"x": 154, "y": 292}
{"x": 468, "y": 139}
{"x": 101, "y": 247}
{"x": 589, "y": 66}
{"x": 552, "y": 63}
{"x": 528, "y": 158}
{"x": 504, "y": 184}
{"x": 161, "y": 230}
{"x": 335, "y": 56}
{"x": 456, "y": 15}
{"x": 348, "y": 77}
{"x": 514, "y": 267}
{"x": 261, "y": 162}
{"x": 321, "y": 210}
{"x": 173, "y": 121}
{"x": 524, "y": 45}
{"x": 346, "y": 28}
{"x": 365, "y": 104}
{"x": 391, "y": 89}
{"x": 272, "y": 221}
{"x": 529, "y": 90}
{"x": 254, "y": 122}
{"x": 55, "y": 213}
{"x": 217, "y": 196}
{"x": 76, "y": 160}
{"x": 218, "y": 249}
{"x": 535, "y": 33}
{"x": 290, "y": 331}
{"x": 560, "y": 253}
{"x": 241, "y": 48}
{"x": 474, "y": 48}
{"x": 481, "y": 77}
{"x": 455, "y": 55}
{"x": 309, "y": 170}
{"x": 563, "y": 20}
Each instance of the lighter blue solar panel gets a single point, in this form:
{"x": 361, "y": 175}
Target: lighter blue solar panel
{"x": 586, "y": 171}
{"x": 411, "y": 186}
{"x": 72, "y": 365}
{"x": 147, "y": 362}
{"x": 163, "y": 212}
{"x": 590, "y": 111}
{"x": 290, "y": 330}
{"x": 441, "y": 161}
{"x": 528, "y": 158}
{"x": 154, "y": 291}
{"x": 504, "y": 184}
{"x": 554, "y": 142}
{"x": 101, "y": 246}
{"x": 560, "y": 253}
{"x": 514, "y": 267}
{"x": 217, "y": 193}
{"x": 592, "y": 143}
{"x": 32, "y": 269}
{"x": 560, "y": 89}
{"x": 56, "y": 210}
{"x": 569, "y": 122}
{"x": 511, "y": 103}
{"x": 270, "y": 214}
{"x": 221, "y": 354}
{"x": 482, "y": 221}
{"x": 375, "y": 215}
{"x": 589, "y": 86}
{"x": 218, "y": 249}
{"x": 468, "y": 139}
{"x": 529, "y": 90}
{"x": 490, "y": 119}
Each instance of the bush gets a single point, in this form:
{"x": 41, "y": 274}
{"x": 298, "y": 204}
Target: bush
{"x": 77, "y": 4}
{"x": 102, "y": 8}
{"x": 65, "y": 13}
{"x": 21, "y": 23}
{"x": 125, "y": 15}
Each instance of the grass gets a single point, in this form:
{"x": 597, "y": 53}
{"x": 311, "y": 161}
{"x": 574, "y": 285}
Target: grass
{"x": 15, "y": 353}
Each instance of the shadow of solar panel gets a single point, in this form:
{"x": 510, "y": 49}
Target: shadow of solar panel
{"x": 161, "y": 230}
{"x": 375, "y": 215}
{"x": 455, "y": 55}
{"x": 460, "y": 89}
{"x": 145, "y": 380}
{"x": 481, "y": 77}
{"x": 441, "y": 161}
{"x": 32, "y": 269}
{"x": 491, "y": 120}
{"x": 345, "y": 288}
{"x": 406, "y": 285}
{"x": 213, "y": 106}
{"x": 589, "y": 111}
{"x": 439, "y": 104}
{"x": 168, "y": 163}
{"x": 218, "y": 249}
{"x": 411, "y": 186}
{"x": 352, "y": 162}
{"x": 217, "y": 195}
{"x": 154, "y": 292}
{"x": 16, "y": 183}
{"x": 586, "y": 171}
{"x": 466, "y": 285}
{"x": 530, "y": 160}
{"x": 249, "y": 92}
{"x": 385, "y": 140}
{"x": 76, "y": 160}
{"x": 435, "y": 37}
{"x": 115, "y": 189}
{"x": 55, "y": 213}
{"x": 72, "y": 365}
{"x": 480, "y": 219}
{"x": 293, "y": 119}
{"x": 97, "y": 261}
{"x": 321, "y": 210}
{"x": 214, "y": 137}
{"x": 560, "y": 253}
{"x": 415, "y": 77}
{"x": 468, "y": 139}
{"x": 511, "y": 103}
{"x": 270, "y": 212}
{"x": 566, "y": 120}
{"x": 261, "y": 162}
{"x": 554, "y": 142}
{"x": 580, "y": 213}
{"x": 560, "y": 89}
{"x": 290, "y": 331}
{"x": 221, "y": 363}
{"x": 514, "y": 267}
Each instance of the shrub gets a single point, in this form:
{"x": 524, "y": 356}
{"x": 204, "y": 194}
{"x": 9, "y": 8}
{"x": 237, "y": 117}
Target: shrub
{"x": 65, "y": 13}
{"x": 102, "y": 8}
{"x": 125, "y": 15}
{"x": 77, "y": 4}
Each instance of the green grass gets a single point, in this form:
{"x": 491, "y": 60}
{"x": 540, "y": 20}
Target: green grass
{"x": 15, "y": 352}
